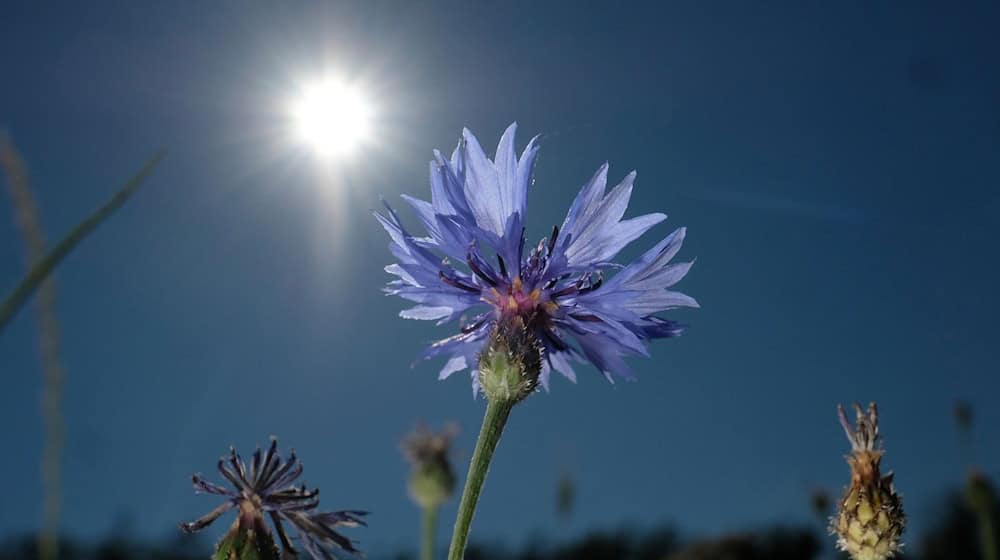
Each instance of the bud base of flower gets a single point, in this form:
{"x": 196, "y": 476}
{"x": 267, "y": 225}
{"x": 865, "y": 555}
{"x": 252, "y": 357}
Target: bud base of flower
{"x": 431, "y": 485}
{"x": 248, "y": 539}
{"x": 870, "y": 521}
{"x": 511, "y": 362}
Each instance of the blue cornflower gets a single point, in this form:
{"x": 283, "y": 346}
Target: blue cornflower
{"x": 268, "y": 486}
{"x": 557, "y": 289}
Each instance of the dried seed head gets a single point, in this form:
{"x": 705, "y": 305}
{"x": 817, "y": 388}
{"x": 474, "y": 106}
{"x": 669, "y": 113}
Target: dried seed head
{"x": 870, "y": 517}
{"x": 266, "y": 484}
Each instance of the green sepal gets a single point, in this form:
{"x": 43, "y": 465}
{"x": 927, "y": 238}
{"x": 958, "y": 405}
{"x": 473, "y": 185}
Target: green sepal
{"x": 432, "y": 484}
{"x": 510, "y": 363}
{"x": 247, "y": 543}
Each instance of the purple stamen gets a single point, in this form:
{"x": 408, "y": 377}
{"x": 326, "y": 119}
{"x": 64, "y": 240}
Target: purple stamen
{"x": 456, "y": 284}
{"x": 474, "y": 267}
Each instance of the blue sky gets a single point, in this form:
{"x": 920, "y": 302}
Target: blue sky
{"x": 836, "y": 168}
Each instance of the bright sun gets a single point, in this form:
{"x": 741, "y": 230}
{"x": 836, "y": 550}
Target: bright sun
{"x": 332, "y": 116}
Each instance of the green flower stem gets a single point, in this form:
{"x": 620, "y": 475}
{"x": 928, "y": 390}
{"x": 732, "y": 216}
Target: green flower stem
{"x": 494, "y": 421}
{"x": 428, "y": 530}
{"x": 42, "y": 268}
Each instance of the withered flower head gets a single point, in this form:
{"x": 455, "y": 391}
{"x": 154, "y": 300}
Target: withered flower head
{"x": 433, "y": 479}
{"x": 870, "y": 518}
{"x": 267, "y": 486}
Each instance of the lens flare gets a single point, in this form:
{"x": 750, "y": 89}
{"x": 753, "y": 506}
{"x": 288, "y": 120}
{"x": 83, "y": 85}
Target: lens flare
{"x": 333, "y": 117}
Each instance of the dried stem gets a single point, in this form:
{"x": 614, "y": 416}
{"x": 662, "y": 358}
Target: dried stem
{"x": 29, "y": 226}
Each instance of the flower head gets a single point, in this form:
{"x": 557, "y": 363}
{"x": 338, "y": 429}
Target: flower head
{"x": 423, "y": 446}
{"x": 472, "y": 264}
{"x": 268, "y": 487}
{"x": 432, "y": 481}
{"x": 870, "y": 518}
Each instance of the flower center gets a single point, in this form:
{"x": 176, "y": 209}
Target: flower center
{"x": 514, "y": 300}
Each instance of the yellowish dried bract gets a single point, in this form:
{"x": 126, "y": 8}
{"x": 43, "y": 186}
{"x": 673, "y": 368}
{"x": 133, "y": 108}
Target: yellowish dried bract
{"x": 870, "y": 519}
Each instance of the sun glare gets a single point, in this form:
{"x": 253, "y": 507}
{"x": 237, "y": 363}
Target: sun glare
{"x": 332, "y": 116}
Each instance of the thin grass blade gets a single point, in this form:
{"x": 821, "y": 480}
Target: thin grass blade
{"x": 30, "y": 283}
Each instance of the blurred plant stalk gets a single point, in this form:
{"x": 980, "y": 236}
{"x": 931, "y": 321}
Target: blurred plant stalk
{"x": 432, "y": 480}
{"x": 29, "y": 226}
{"x": 982, "y": 499}
{"x": 39, "y": 279}
{"x": 428, "y": 531}
{"x": 980, "y": 495}
{"x": 565, "y": 496}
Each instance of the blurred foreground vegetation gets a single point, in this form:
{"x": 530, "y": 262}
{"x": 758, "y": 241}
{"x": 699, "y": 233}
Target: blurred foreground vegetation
{"x": 955, "y": 536}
